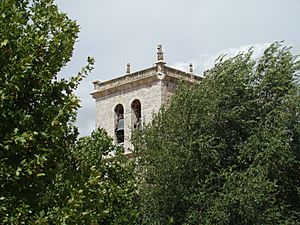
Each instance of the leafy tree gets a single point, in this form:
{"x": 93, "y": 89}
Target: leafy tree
{"x": 226, "y": 151}
{"x": 92, "y": 187}
{"x": 37, "y": 109}
{"x": 47, "y": 175}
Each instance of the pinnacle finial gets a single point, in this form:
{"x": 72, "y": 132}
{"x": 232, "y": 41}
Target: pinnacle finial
{"x": 128, "y": 68}
{"x": 191, "y": 68}
{"x": 160, "y": 54}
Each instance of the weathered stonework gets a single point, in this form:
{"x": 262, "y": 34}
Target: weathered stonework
{"x": 139, "y": 95}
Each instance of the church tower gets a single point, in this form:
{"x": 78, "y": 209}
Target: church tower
{"x": 125, "y": 103}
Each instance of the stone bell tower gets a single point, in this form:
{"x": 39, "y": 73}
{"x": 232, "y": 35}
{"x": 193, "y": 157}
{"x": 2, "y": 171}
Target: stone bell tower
{"x": 125, "y": 103}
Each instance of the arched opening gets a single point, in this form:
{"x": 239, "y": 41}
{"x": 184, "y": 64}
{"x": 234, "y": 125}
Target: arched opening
{"x": 136, "y": 114}
{"x": 119, "y": 124}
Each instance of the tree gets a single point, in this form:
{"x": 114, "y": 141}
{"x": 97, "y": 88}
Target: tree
{"x": 38, "y": 110}
{"x": 47, "y": 174}
{"x": 92, "y": 187}
{"x": 226, "y": 151}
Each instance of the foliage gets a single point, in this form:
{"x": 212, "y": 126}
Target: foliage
{"x": 37, "y": 109}
{"x": 46, "y": 174}
{"x": 92, "y": 187}
{"x": 226, "y": 151}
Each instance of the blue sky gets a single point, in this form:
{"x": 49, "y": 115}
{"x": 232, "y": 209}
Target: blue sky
{"x": 117, "y": 32}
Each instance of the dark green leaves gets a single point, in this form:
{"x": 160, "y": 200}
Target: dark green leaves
{"x": 226, "y": 151}
{"x": 47, "y": 175}
{"x": 37, "y": 109}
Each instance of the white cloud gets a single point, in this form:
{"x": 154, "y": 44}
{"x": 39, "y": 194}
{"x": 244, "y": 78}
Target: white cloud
{"x": 206, "y": 61}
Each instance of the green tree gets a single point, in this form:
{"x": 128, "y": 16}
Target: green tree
{"x": 38, "y": 110}
{"x": 47, "y": 174}
{"x": 93, "y": 187}
{"x": 226, "y": 151}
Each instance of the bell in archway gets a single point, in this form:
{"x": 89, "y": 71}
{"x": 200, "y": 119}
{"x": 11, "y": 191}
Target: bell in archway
{"x": 120, "y": 125}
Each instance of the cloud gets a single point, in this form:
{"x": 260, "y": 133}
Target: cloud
{"x": 207, "y": 60}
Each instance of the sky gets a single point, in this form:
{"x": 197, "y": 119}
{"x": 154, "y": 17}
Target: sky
{"x": 117, "y": 32}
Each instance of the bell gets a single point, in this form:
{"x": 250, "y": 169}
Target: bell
{"x": 120, "y": 125}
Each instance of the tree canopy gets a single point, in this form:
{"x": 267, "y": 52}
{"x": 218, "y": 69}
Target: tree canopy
{"x": 38, "y": 110}
{"x": 47, "y": 174}
{"x": 226, "y": 151}
{"x": 91, "y": 187}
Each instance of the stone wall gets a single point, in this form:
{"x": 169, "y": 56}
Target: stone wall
{"x": 152, "y": 86}
{"x": 150, "y": 96}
